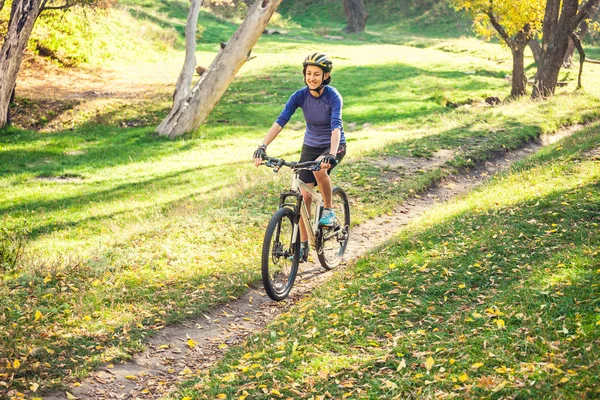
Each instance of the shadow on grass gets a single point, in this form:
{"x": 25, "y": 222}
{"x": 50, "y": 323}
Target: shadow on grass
{"x": 250, "y": 102}
{"x": 479, "y": 238}
{"x": 512, "y": 259}
{"x": 215, "y": 29}
{"x": 165, "y": 182}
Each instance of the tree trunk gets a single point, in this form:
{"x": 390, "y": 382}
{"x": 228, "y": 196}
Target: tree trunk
{"x": 560, "y": 21}
{"x": 519, "y": 80}
{"x": 536, "y": 50}
{"x": 568, "y": 60}
{"x": 23, "y": 15}
{"x": 577, "y": 44}
{"x": 189, "y": 113}
{"x": 581, "y": 32}
{"x": 356, "y": 14}
{"x": 184, "y": 83}
{"x": 517, "y": 47}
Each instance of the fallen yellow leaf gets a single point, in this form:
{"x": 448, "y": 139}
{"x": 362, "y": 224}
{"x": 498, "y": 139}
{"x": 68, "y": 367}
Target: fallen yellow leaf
{"x": 38, "y": 315}
{"x": 70, "y": 396}
{"x": 323, "y": 374}
{"x": 500, "y": 386}
{"x": 477, "y": 365}
{"x": 402, "y": 365}
{"x": 564, "y": 380}
{"x": 131, "y": 377}
{"x": 463, "y": 378}
{"x": 500, "y": 323}
{"x": 16, "y": 364}
{"x": 191, "y": 343}
{"x": 429, "y": 363}
{"x": 221, "y": 396}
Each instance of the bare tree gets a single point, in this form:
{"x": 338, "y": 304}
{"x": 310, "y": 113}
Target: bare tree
{"x": 561, "y": 18}
{"x": 192, "y": 107}
{"x": 357, "y": 16}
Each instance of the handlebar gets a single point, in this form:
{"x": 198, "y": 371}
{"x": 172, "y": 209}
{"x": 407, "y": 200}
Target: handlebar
{"x": 277, "y": 163}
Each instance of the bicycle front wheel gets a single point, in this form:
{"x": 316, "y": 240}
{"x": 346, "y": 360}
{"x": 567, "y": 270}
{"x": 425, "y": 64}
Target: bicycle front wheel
{"x": 333, "y": 240}
{"x": 280, "y": 255}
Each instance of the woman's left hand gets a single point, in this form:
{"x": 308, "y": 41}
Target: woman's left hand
{"x": 329, "y": 161}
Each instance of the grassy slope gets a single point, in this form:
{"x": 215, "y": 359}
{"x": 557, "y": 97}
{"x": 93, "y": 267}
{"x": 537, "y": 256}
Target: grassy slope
{"x": 492, "y": 295}
{"x": 182, "y": 217}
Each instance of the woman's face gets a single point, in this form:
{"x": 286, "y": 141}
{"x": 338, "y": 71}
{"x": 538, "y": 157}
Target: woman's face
{"x": 315, "y": 76}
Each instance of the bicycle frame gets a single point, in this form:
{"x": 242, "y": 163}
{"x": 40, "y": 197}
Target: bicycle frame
{"x": 312, "y": 226}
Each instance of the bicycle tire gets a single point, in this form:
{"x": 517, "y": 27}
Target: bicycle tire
{"x": 280, "y": 256}
{"x": 331, "y": 243}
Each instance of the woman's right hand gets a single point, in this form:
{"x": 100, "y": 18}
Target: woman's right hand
{"x": 260, "y": 154}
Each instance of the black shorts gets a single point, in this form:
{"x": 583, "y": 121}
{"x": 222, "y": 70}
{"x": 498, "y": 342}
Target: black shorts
{"x": 311, "y": 154}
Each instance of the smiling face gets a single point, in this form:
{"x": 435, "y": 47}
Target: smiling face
{"x": 314, "y": 76}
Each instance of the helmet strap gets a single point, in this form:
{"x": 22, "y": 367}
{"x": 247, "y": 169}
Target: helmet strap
{"x": 321, "y": 86}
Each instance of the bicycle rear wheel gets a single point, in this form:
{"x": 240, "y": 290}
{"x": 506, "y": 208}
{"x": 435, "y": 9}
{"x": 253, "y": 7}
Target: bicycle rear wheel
{"x": 280, "y": 255}
{"x": 332, "y": 241}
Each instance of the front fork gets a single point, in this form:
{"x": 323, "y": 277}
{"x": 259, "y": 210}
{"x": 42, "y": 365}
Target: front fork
{"x": 301, "y": 212}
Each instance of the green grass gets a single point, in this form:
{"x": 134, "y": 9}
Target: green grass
{"x": 494, "y": 295}
{"x": 125, "y": 231}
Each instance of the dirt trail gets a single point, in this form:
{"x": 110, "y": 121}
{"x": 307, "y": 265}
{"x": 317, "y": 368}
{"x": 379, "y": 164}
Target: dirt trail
{"x": 169, "y": 358}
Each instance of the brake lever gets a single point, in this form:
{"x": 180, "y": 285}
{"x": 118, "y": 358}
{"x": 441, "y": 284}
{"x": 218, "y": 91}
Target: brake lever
{"x": 278, "y": 166}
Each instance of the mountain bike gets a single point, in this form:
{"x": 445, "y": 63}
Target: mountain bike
{"x": 281, "y": 246}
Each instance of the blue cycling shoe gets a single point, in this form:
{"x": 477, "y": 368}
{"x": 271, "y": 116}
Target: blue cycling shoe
{"x": 328, "y": 217}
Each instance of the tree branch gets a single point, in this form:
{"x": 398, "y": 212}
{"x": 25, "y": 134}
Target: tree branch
{"x": 579, "y": 47}
{"x": 584, "y": 10}
{"x": 498, "y": 27}
{"x": 63, "y": 7}
{"x": 45, "y": 7}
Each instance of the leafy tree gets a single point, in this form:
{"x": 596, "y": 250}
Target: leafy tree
{"x": 514, "y": 22}
{"x": 16, "y": 32}
{"x": 561, "y": 18}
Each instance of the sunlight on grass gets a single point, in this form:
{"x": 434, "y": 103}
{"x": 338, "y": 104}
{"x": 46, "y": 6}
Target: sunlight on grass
{"x": 491, "y": 294}
{"x": 136, "y": 231}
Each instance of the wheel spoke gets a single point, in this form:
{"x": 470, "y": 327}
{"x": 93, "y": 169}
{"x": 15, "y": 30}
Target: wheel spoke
{"x": 279, "y": 259}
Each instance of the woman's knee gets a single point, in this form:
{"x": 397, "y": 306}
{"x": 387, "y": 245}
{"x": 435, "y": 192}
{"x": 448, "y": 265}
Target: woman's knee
{"x": 321, "y": 174}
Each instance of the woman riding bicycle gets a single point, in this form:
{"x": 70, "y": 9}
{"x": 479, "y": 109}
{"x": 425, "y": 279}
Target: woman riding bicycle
{"x": 324, "y": 137}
